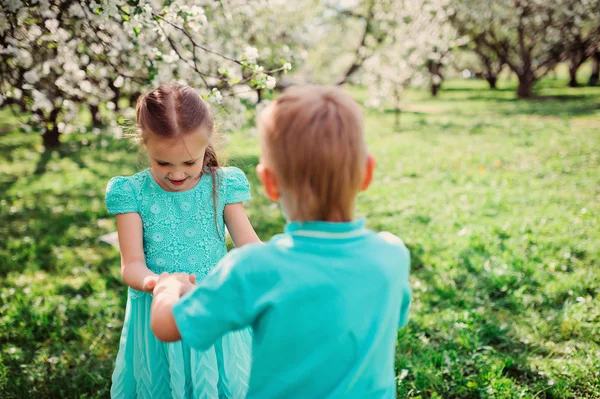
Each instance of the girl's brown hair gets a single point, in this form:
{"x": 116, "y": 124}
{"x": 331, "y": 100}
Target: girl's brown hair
{"x": 313, "y": 139}
{"x": 172, "y": 111}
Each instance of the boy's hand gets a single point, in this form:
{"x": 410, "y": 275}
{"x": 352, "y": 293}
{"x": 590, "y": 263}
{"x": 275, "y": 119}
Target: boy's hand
{"x": 189, "y": 285}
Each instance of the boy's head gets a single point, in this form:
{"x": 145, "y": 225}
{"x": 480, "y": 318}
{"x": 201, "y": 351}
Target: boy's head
{"x": 314, "y": 157}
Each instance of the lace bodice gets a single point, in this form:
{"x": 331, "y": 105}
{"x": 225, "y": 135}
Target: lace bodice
{"x": 181, "y": 233}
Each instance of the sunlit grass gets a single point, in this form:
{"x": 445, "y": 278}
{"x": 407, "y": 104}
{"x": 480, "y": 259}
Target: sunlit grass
{"x": 497, "y": 199}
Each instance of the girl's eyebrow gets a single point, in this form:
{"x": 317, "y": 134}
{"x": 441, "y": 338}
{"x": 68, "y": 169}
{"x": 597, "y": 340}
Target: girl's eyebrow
{"x": 189, "y": 161}
{"x": 192, "y": 160}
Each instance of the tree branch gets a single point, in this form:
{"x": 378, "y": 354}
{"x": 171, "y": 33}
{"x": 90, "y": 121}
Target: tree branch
{"x": 359, "y": 60}
{"x": 158, "y": 18}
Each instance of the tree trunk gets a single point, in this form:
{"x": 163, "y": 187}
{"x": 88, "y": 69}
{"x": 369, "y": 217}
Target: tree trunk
{"x": 436, "y": 77}
{"x": 526, "y": 82}
{"x": 397, "y": 109}
{"x": 575, "y": 61}
{"x": 133, "y": 99}
{"x": 595, "y": 76}
{"x": 491, "y": 73}
{"x": 95, "y": 111}
{"x": 573, "y": 76}
{"x": 116, "y": 97}
{"x": 51, "y": 137}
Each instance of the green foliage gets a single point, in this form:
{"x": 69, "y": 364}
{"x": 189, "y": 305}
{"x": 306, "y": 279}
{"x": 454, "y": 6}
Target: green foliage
{"x": 496, "y": 198}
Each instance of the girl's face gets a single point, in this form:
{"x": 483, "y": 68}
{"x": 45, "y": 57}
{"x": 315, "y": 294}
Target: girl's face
{"x": 176, "y": 164}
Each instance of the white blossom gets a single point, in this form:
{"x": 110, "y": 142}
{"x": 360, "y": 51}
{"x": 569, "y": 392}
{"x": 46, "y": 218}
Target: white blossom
{"x": 271, "y": 82}
{"x": 12, "y": 5}
{"x": 32, "y": 76}
{"x": 216, "y": 96}
{"x": 52, "y": 25}
{"x": 251, "y": 54}
{"x": 119, "y": 81}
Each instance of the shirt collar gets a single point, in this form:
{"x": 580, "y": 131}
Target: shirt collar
{"x": 334, "y": 230}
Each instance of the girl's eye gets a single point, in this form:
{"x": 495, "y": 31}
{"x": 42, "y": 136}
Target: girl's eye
{"x": 190, "y": 163}
{"x": 163, "y": 163}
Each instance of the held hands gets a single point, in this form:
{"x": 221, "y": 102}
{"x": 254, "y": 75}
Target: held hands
{"x": 167, "y": 291}
{"x": 150, "y": 281}
{"x": 176, "y": 283}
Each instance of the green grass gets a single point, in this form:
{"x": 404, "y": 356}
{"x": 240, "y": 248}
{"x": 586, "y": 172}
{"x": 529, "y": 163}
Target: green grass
{"x": 497, "y": 199}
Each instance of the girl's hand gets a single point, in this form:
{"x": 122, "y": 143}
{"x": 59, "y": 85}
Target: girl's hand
{"x": 149, "y": 283}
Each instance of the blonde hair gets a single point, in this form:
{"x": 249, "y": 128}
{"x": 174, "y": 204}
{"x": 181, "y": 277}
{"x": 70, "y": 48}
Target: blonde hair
{"x": 313, "y": 140}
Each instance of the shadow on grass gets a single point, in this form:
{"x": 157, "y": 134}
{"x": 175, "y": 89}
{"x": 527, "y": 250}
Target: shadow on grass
{"x": 33, "y": 234}
{"x": 39, "y": 223}
{"x": 542, "y": 105}
{"x": 83, "y": 153}
{"x": 479, "y": 89}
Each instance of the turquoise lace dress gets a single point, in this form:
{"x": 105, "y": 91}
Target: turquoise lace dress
{"x": 181, "y": 234}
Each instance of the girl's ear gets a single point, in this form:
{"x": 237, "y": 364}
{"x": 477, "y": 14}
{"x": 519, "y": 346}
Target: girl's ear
{"x": 368, "y": 175}
{"x": 267, "y": 178}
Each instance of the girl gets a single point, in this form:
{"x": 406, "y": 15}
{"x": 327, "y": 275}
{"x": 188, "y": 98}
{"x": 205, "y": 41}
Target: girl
{"x": 171, "y": 218}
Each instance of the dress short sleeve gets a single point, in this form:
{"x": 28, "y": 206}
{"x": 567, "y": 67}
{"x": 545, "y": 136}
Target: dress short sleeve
{"x": 120, "y": 196}
{"x": 236, "y": 186}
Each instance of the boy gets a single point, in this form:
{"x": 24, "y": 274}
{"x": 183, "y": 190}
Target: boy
{"x": 326, "y": 297}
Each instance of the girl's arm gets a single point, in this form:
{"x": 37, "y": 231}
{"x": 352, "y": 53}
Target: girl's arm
{"x": 238, "y": 225}
{"x": 134, "y": 271}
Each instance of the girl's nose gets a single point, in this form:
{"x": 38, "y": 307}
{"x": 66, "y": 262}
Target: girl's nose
{"x": 177, "y": 176}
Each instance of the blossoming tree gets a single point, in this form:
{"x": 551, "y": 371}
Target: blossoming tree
{"x": 60, "y": 55}
{"x": 530, "y": 36}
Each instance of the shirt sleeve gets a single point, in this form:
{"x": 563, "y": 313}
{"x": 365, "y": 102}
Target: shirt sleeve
{"x": 120, "y": 196}
{"x": 406, "y": 289}
{"x": 237, "y": 187}
{"x": 217, "y": 306}
{"x": 404, "y": 265}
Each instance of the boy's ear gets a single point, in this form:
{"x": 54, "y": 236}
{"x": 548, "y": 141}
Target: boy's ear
{"x": 267, "y": 178}
{"x": 368, "y": 175}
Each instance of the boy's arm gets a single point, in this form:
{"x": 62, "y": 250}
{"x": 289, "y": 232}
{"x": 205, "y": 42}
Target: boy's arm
{"x": 169, "y": 289}
{"x": 208, "y": 311}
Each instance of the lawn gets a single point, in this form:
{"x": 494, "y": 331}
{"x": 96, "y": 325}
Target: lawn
{"x": 497, "y": 199}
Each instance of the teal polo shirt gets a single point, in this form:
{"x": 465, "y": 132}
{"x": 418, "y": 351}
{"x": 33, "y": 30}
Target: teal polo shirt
{"x": 325, "y": 301}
